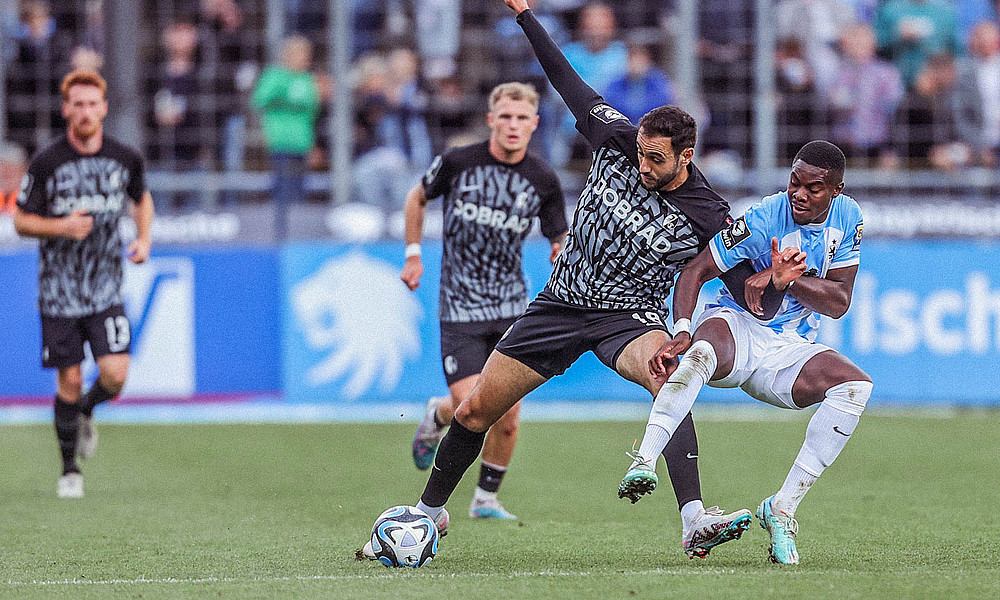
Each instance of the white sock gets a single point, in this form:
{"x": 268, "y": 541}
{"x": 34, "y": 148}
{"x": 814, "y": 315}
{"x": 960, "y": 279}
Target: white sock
{"x": 690, "y": 513}
{"x": 432, "y": 511}
{"x": 797, "y": 483}
{"x": 827, "y": 434}
{"x": 482, "y": 495}
{"x": 674, "y": 400}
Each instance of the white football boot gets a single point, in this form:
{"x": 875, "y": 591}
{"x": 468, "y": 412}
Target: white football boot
{"x": 70, "y": 486}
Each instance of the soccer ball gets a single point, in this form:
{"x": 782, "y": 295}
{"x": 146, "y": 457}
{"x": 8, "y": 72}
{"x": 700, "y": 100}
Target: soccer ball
{"x": 404, "y": 536}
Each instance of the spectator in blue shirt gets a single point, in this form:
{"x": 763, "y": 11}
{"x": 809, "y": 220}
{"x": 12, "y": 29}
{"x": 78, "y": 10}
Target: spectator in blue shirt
{"x": 642, "y": 88}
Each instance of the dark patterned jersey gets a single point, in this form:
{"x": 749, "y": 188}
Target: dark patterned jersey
{"x": 78, "y": 278}
{"x": 626, "y": 243}
{"x": 489, "y": 208}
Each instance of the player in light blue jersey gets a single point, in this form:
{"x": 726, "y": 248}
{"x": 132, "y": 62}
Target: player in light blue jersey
{"x": 807, "y": 242}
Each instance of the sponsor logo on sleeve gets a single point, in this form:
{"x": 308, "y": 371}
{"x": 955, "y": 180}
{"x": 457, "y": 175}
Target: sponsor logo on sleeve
{"x": 735, "y": 233}
{"x": 860, "y": 229}
{"x": 26, "y": 183}
{"x": 607, "y": 114}
{"x": 432, "y": 171}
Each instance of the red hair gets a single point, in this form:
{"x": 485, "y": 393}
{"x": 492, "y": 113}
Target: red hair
{"x": 80, "y": 77}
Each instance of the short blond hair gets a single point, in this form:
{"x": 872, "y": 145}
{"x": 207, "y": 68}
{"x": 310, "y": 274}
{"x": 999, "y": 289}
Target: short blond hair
{"x": 514, "y": 90}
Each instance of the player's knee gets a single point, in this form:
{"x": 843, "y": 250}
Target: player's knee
{"x": 850, "y": 397}
{"x": 507, "y": 426}
{"x": 114, "y": 380}
{"x": 471, "y": 416}
{"x": 70, "y": 386}
{"x": 701, "y": 357}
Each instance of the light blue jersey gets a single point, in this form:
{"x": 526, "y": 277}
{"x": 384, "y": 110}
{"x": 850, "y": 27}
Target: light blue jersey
{"x": 833, "y": 244}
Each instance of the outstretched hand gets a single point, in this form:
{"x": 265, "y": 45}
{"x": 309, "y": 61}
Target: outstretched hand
{"x": 665, "y": 360}
{"x": 786, "y": 265}
{"x": 518, "y": 6}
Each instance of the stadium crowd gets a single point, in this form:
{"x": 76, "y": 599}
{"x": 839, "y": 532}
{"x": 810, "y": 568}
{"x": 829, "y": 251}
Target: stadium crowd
{"x": 899, "y": 84}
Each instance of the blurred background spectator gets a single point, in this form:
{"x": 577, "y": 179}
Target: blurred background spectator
{"x": 642, "y": 88}
{"x": 796, "y": 82}
{"x": 236, "y": 67}
{"x": 288, "y": 99}
{"x": 922, "y": 96}
{"x": 863, "y": 100}
{"x": 925, "y": 123}
{"x": 41, "y": 55}
{"x": 388, "y": 131}
{"x": 174, "y": 109}
{"x": 439, "y": 25}
{"x": 724, "y": 36}
{"x": 977, "y": 94}
{"x": 910, "y": 32}
{"x": 599, "y": 58}
{"x": 816, "y": 25}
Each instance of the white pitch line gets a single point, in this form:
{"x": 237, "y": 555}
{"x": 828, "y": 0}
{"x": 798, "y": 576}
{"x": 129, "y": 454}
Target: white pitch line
{"x": 384, "y": 575}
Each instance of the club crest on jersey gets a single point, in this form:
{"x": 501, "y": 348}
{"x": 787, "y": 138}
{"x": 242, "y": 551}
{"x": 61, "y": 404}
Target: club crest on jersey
{"x": 607, "y": 114}
{"x": 669, "y": 222}
{"x": 860, "y": 229}
{"x": 735, "y": 233}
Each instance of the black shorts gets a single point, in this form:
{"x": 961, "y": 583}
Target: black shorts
{"x": 466, "y": 346}
{"x": 552, "y": 334}
{"x": 107, "y": 332}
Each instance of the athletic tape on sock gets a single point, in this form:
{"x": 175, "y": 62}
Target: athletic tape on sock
{"x": 849, "y": 397}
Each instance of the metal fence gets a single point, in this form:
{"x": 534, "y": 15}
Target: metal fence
{"x": 759, "y": 88}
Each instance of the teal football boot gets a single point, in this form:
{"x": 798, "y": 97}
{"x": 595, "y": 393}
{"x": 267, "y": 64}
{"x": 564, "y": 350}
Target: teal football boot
{"x": 640, "y": 479}
{"x": 783, "y": 530}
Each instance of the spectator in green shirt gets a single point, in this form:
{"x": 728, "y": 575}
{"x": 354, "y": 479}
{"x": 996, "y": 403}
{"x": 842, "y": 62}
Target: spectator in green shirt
{"x": 288, "y": 99}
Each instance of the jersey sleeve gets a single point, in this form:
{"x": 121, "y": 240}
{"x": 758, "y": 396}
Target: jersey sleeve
{"x": 552, "y": 214}
{"x": 849, "y": 252}
{"x": 603, "y": 122}
{"x": 31, "y": 196}
{"x": 746, "y": 238}
{"x": 595, "y": 119}
{"x": 437, "y": 179}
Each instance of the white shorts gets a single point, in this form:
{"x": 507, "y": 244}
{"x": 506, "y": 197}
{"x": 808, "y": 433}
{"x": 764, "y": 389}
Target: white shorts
{"x": 766, "y": 363}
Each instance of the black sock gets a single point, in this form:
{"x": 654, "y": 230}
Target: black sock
{"x": 458, "y": 450}
{"x": 95, "y": 396}
{"x": 490, "y": 477}
{"x": 681, "y": 455}
{"x": 67, "y": 424}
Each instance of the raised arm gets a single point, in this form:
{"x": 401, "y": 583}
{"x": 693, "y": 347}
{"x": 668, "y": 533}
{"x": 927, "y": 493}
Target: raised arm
{"x": 575, "y": 92}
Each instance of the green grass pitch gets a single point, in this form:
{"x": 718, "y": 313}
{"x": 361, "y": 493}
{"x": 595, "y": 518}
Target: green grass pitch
{"x": 277, "y": 511}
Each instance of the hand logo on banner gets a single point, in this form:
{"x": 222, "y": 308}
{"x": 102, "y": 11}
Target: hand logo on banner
{"x": 354, "y": 308}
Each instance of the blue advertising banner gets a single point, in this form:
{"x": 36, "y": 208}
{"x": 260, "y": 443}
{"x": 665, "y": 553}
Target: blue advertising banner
{"x": 925, "y": 323}
{"x": 332, "y": 323}
{"x": 203, "y": 322}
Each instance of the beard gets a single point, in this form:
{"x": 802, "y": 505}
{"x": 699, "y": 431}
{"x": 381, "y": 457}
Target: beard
{"x": 665, "y": 179}
{"x": 86, "y": 130}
